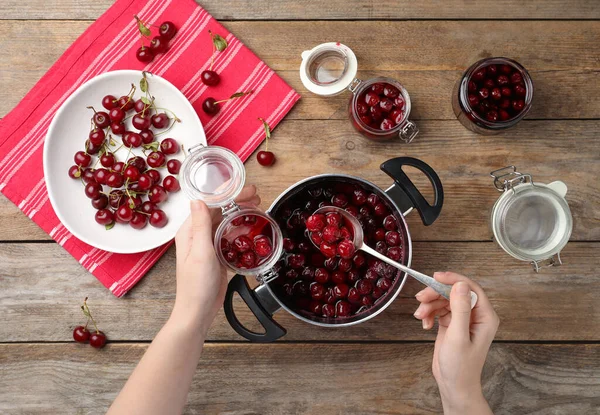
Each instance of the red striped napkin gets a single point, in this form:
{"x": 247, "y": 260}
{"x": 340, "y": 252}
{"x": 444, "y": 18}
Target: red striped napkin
{"x": 110, "y": 44}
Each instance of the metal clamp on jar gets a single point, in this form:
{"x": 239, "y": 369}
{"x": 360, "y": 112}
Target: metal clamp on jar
{"x": 530, "y": 221}
{"x": 378, "y": 108}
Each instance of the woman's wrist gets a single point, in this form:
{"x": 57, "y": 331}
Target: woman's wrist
{"x": 469, "y": 403}
{"x": 188, "y": 321}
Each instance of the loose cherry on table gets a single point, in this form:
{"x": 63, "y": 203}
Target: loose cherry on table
{"x": 210, "y": 78}
{"x": 211, "y": 106}
{"x": 266, "y": 157}
{"x": 81, "y": 334}
{"x": 159, "y": 44}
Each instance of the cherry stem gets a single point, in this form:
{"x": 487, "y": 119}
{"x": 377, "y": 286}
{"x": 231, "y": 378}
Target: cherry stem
{"x": 266, "y": 138}
{"x": 214, "y": 49}
{"x": 167, "y": 130}
{"x": 243, "y": 94}
{"x": 92, "y": 108}
{"x": 87, "y": 313}
{"x": 175, "y": 117}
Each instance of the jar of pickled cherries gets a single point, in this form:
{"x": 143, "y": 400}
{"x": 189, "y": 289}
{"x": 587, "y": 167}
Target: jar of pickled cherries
{"x": 493, "y": 95}
{"x": 378, "y": 108}
{"x": 247, "y": 240}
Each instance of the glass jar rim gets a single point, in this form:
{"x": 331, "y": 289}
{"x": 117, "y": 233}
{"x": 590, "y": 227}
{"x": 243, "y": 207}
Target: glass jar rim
{"x": 380, "y": 79}
{"x": 222, "y": 160}
{"x": 507, "y": 201}
{"x": 464, "y": 94}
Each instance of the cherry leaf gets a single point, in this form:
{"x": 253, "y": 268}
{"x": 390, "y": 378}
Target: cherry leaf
{"x": 220, "y": 43}
{"x": 143, "y": 28}
{"x": 144, "y": 84}
{"x": 146, "y": 100}
{"x": 240, "y": 94}
{"x": 108, "y": 228}
{"x": 267, "y": 128}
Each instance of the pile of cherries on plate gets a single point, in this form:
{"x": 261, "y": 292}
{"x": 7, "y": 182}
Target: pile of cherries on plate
{"x": 119, "y": 189}
{"x": 381, "y": 106}
{"x": 497, "y": 92}
{"x": 335, "y": 283}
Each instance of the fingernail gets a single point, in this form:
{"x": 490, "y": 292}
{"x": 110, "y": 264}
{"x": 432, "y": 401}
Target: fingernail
{"x": 462, "y": 288}
{"x": 425, "y": 325}
{"x": 417, "y": 314}
{"x": 419, "y": 294}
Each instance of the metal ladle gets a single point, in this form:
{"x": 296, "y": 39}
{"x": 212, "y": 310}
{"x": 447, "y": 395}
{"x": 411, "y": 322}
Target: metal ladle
{"x": 359, "y": 243}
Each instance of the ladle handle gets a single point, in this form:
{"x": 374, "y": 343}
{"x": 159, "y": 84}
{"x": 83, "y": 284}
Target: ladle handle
{"x": 438, "y": 287}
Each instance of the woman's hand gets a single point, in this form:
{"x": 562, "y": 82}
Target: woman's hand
{"x": 201, "y": 279}
{"x": 463, "y": 341}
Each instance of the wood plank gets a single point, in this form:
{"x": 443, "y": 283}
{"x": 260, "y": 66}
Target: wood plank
{"x": 41, "y": 288}
{"x": 550, "y": 150}
{"x": 331, "y": 10}
{"x": 427, "y": 64}
{"x": 327, "y": 378}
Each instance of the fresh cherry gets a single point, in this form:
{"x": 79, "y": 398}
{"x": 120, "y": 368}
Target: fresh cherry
{"x": 147, "y": 136}
{"x": 169, "y": 146}
{"x": 104, "y": 217}
{"x": 171, "y": 184}
{"x": 141, "y": 121}
{"x": 98, "y": 340}
{"x": 159, "y": 45}
{"x": 167, "y": 30}
{"x": 156, "y": 159}
{"x": 157, "y": 194}
{"x": 109, "y": 102}
{"x": 210, "y": 78}
{"x": 138, "y": 220}
{"x": 97, "y": 136}
{"x": 160, "y": 120}
{"x": 117, "y": 128}
{"x": 158, "y": 218}
{"x": 265, "y": 158}
{"x": 126, "y": 103}
{"x": 210, "y": 106}
{"x": 173, "y": 166}
{"x": 144, "y": 54}
{"x": 82, "y": 159}
{"x": 81, "y": 334}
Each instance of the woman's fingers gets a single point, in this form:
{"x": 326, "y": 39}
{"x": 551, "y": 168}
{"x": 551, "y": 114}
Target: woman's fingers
{"x": 426, "y": 295}
{"x": 425, "y": 309}
{"x": 183, "y": 240}
{"x": 483, "y": 315}
{"x": 247, "y": 193}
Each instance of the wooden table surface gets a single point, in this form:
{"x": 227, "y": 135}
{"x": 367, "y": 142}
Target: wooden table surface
{"x": 546, "y": 359}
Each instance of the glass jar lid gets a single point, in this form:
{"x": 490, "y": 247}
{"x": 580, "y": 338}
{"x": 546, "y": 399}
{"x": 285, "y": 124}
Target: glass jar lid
{"x": 532, "y": 221}
{"x": 328, "y": 69}
{"x": 212, "y": 174}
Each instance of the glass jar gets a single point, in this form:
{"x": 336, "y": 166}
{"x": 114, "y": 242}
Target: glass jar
{"x": 530, "y": 221}
{"x": 483, "y": 112}
{"x": 216, "y": 176}
{"x": 330, "y": 69}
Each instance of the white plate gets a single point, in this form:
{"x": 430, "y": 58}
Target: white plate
{"x": 67, "y": 135}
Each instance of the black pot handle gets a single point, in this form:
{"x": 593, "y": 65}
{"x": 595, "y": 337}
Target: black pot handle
{"x": 393, "y": 168}
{"x": 273, "y": 331}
